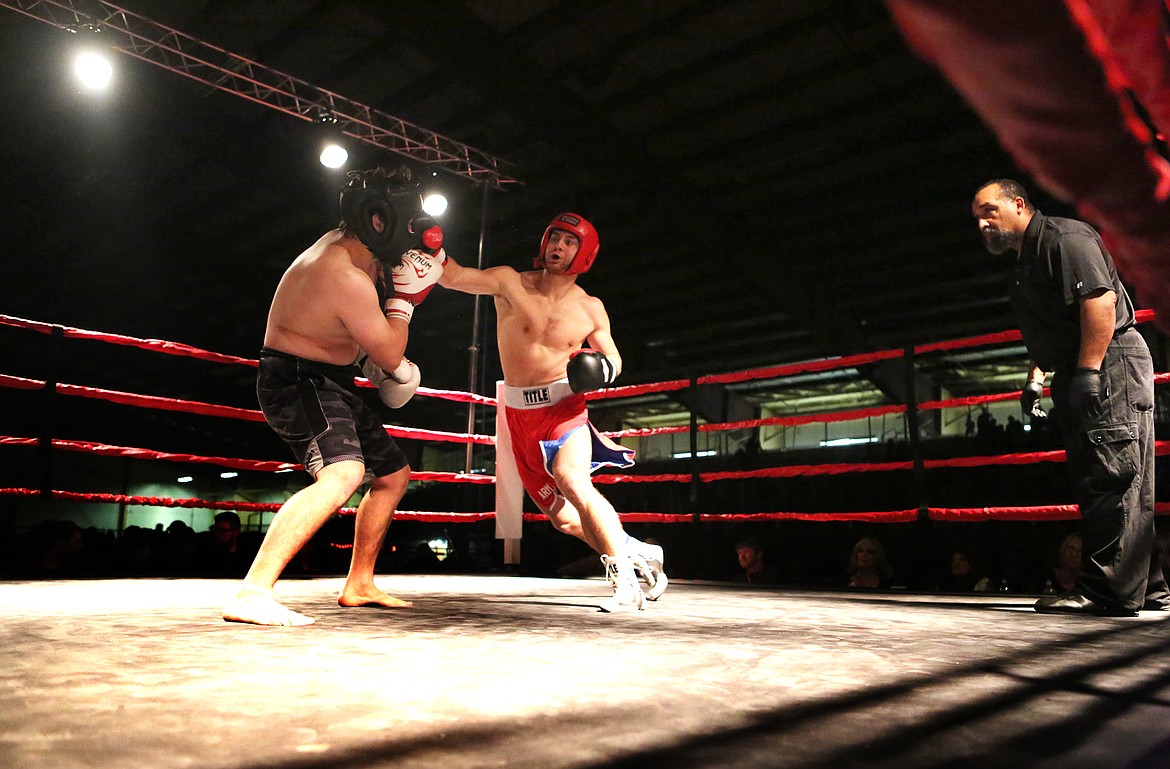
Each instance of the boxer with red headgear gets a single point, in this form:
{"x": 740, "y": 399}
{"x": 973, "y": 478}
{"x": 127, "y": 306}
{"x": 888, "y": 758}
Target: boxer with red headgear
{"x": 587, "y": 249}
{"x": 542, "y": 320}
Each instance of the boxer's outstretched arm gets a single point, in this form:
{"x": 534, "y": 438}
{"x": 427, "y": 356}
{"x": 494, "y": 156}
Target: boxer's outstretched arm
{"x": 494, "y": 280}
{"x": 601, "y": 338}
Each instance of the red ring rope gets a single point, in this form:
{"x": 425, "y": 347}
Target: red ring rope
{"x": 1040, "y": 513}
{"x": 1058, "y": 512}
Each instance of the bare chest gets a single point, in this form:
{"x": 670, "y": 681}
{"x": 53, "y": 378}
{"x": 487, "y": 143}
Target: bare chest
{"x": 547, "y": 322}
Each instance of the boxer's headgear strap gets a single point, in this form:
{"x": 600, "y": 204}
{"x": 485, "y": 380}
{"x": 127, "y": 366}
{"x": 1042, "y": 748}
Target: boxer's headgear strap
{"x": 586, "y": 252}
{"x": 377, "y": 206}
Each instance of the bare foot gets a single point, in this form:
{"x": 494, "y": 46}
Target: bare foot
{"x": 370, "y": 596}
{"x": 260, "y": 608}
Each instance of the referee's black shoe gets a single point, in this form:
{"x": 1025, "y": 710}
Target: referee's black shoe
{"x": 1076, "y": 603}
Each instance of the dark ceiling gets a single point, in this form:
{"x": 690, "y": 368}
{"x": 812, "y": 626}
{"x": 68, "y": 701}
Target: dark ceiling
{"x": 772, "y": 182}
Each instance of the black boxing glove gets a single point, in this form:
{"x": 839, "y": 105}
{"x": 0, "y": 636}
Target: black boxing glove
{"x": 1084, "y": 390}
{"x": 1030, "y": 400}
{"x": 589, "y": 370}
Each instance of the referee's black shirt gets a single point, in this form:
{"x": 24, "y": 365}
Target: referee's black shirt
{"x": 1061, "y": 260}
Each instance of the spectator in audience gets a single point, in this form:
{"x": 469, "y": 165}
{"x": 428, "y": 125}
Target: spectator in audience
{"x": 986, "y": 423}
{"x": 1062, "y": 578}
{"x": 178, "y": 546}
{"x": 138, "y": 552}
{"x": 753, "y": 568}
{"x": 226, "y": 531}
{"x": 963, "y": 577}
{"x": 868, "y": 567}
{"x": 221, "y": 555}
{"x": 1014, "y": 431}
{"x": 1161, "y": 551}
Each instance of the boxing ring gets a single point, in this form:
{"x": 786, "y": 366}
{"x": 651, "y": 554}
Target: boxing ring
{"x": 495, "y": 669}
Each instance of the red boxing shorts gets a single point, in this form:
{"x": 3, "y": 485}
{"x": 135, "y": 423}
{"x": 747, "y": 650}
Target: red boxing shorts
{"x": 540, "y": 419}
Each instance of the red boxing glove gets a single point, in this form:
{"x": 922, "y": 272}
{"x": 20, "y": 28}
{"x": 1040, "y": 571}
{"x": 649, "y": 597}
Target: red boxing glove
{"x": 413, "y": 280}
{"x": 428, "y": 232}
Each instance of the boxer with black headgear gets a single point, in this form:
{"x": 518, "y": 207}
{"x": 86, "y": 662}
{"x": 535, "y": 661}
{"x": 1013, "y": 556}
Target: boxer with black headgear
{"x": 326, "y": 311}
{"x": 543, "y": 319}
{"x": 382, "y": 208}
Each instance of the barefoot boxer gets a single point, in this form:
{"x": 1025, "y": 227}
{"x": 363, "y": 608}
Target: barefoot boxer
{"x": 326, "y": 311}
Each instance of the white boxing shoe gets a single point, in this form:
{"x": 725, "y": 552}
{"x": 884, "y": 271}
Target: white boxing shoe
{"x": 648, "y": 566}
{"x": 627, "y": 593}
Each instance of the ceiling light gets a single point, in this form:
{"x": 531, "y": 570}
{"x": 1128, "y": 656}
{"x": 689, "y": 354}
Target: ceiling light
{"x": 93, "y": 70}
{"x": 186, "y": 479}
{"x": 327, "y": 129}
{"x": 334, "y": 156}
{"x": 228, "y": 474}
{"x": 435, "y": 204}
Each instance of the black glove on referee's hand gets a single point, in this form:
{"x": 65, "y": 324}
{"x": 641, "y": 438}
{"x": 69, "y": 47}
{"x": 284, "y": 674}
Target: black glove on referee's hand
{"x": 1030, "y": 400}
{"x": 1084, "y": 390}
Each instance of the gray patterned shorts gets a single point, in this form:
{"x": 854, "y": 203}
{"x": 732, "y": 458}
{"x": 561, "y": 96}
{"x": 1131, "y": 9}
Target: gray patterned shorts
{"x": 318, "y": 411}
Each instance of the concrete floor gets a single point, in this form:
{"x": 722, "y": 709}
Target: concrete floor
{"x": 502, "y": 671}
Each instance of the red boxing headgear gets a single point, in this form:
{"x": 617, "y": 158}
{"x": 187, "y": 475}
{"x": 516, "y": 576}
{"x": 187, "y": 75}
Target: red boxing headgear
{"x": 586, "y": 252}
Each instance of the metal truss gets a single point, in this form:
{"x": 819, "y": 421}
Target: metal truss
{"x": 180, "y": 53}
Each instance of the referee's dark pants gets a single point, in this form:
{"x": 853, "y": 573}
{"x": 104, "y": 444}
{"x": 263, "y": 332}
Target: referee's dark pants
{"x": 1111, "y": 463}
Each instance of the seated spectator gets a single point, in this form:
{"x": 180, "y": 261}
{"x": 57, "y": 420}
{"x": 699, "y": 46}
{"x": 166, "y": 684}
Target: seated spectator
{"x": 963, "y": 577}
{"x": 868, "y": 567}
{"x": 1161, "y": 555}
{"x": 753, "y": 568}
{"x": 221, "y": 555}
{"x": 1062, "y": 578}
{"x": 139, "y": 552}
{"x": 178, "y": 546}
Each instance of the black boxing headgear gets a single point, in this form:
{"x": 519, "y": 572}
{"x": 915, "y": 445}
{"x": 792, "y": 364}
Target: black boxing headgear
{"x": 586, "y": 235}
{"x": 377, "y": 207}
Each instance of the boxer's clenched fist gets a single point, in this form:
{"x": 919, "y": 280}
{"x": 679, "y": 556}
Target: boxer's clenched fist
{"x": 589, "y": 370}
